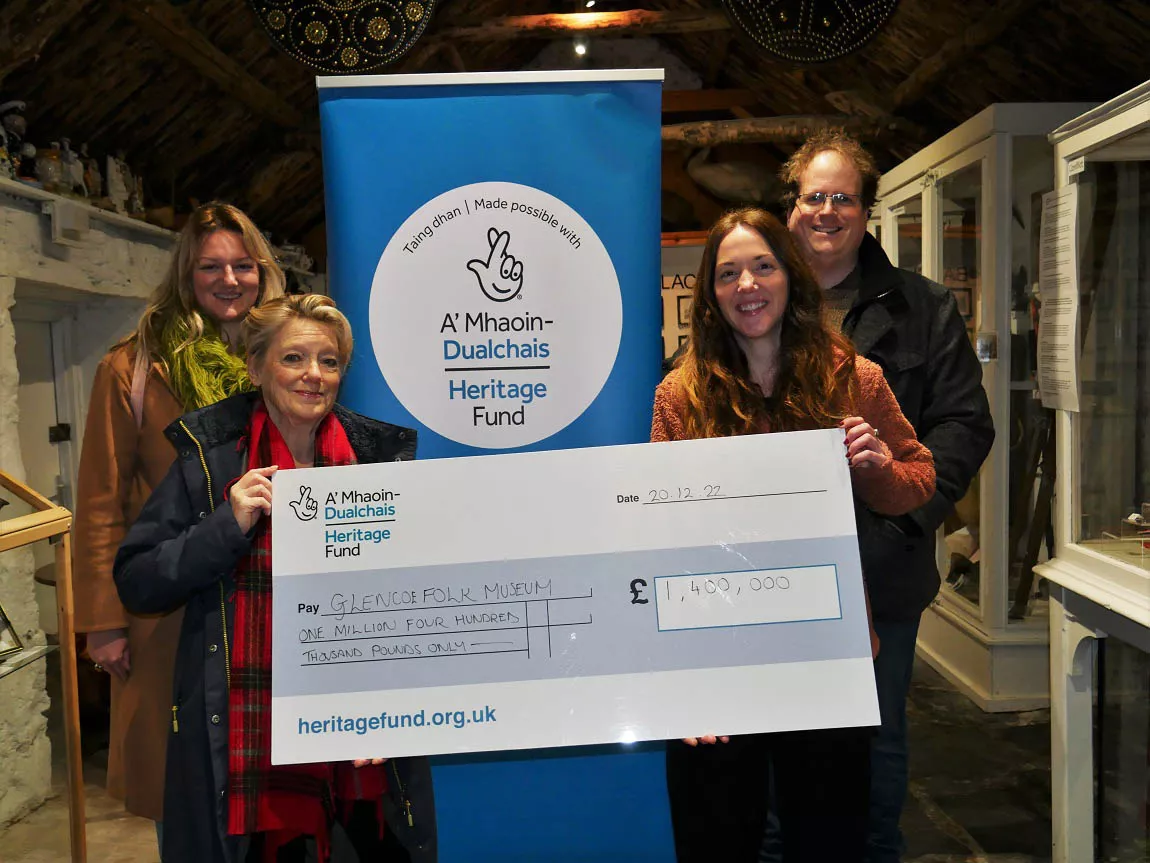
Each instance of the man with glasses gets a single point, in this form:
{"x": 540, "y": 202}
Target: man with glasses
{"x": 911, "y": 327}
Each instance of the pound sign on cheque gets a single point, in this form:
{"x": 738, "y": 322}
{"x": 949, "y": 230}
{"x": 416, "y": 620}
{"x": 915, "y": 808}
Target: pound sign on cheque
{"x": 637, "y": 585}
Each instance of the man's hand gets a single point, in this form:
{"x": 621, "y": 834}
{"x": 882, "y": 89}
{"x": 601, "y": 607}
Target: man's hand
{"x": 109, "y": 650}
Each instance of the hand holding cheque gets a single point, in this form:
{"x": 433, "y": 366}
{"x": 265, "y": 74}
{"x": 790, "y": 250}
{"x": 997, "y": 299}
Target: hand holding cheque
{"x": 251, "y": 496}
{"x": 864, "y": 449}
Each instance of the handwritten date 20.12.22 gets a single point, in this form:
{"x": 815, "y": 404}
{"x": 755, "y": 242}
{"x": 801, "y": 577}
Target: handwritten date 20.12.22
{"x": 674, "y": 494}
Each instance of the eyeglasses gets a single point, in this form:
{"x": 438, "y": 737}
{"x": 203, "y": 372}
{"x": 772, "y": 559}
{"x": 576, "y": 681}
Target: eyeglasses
{"x": 814, "y": 201}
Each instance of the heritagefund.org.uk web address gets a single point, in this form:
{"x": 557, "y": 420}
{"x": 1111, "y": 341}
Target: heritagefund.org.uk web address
{"x": 384, "y": 721}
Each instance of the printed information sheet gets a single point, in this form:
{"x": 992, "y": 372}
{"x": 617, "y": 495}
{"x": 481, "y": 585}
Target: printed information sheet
{"x": 599, "y": 595}
{"x": 1058, "y": 292}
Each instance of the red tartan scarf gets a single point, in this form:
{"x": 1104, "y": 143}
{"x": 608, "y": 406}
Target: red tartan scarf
{"x": 288, "y": 800}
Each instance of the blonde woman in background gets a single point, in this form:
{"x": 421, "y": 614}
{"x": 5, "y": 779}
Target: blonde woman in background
{"x": 183, "y": 355}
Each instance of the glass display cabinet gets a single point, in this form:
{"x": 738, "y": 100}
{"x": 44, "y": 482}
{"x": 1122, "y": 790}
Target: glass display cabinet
{"x": 1100, "y": 571}
{"x": 965, "y": 212}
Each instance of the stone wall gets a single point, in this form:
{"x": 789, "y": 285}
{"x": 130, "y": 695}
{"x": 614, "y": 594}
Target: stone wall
{"x": 24, "y": 752}
{"x": 116, "y": 263}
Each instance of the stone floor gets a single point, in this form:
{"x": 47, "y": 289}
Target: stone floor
{"x": 980, "y": 792}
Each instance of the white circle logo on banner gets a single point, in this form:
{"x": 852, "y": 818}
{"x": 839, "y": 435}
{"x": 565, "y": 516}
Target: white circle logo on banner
{"x": 495, "y": 315}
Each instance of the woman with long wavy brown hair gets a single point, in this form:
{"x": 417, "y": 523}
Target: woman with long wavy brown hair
{"x": 762, "y": 359}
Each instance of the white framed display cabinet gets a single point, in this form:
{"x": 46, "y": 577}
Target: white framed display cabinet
{"x": 1100, "y": 572}
{"x": 965, "y": 212}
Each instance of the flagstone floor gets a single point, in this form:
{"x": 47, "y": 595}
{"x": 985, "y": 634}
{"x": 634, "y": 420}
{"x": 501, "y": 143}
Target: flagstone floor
{"x": 980, "y": 791}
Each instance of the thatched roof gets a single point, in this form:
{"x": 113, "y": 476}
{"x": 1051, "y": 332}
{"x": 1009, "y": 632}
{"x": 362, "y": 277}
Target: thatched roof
{"x": 204, "y": 105}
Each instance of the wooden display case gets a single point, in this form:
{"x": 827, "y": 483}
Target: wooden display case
{"x": 50, "y": 520}
{"x": 963, "y": 213}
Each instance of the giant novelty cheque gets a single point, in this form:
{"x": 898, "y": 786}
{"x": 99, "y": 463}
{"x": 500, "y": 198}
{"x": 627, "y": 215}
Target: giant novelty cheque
{"x": 596, "y": 595}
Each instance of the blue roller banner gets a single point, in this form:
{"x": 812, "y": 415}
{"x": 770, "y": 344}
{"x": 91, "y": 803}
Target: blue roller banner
{"x": 494, "y": 240}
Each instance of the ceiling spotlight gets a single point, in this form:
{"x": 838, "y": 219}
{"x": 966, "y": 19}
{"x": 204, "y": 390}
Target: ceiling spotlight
{"x": 580, "y": 47}
{"x": 590, "y": 3}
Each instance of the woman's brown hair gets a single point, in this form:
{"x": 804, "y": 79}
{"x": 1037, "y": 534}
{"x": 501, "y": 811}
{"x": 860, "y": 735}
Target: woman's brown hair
{"x": 815, "y": 383}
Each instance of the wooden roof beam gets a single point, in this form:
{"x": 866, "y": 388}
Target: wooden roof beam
{"x": 23, "y": 38}
{"x": 686, "y": 101}
{"x": 630, "y": 22}
{"x": 565, "y": 25}
{"x": 170, "y": 30}
{"x": 952, "y": 52}
{"x": 863, "y": 102}
{"x": 758, "y": 130}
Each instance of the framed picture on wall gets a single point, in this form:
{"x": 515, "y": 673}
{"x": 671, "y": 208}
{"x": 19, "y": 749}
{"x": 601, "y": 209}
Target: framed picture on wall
{"x": 681, "y": 255}
{"x": 684, "y": 310}
{"x": 9, "y": 641}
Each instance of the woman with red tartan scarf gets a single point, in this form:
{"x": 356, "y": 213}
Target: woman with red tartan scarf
{"x": 203, "y": 540}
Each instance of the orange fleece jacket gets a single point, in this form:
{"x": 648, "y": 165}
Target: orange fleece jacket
{"x": 904, "y": 483}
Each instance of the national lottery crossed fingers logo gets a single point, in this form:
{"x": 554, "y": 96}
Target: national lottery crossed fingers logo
{"x": 351, "y": 516}
{"x": 519, "y": 359}
{"x": 501, "y": 275}
{"x": 306, "y": 508}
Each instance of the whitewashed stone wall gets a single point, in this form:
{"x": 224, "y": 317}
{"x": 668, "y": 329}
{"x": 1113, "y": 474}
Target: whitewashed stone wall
{"x": 24, "y": 751}
{"x": 116, "y": 262}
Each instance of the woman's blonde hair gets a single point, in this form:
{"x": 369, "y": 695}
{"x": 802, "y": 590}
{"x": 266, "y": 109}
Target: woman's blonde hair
{"x": 175, "y": 296}
{"x": 263, "y": 322}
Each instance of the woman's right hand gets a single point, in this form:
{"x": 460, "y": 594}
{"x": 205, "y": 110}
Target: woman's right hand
{"x": 251, "y": 496}
{"x": 109, "y": 650}
{"x": 706, "y": 738}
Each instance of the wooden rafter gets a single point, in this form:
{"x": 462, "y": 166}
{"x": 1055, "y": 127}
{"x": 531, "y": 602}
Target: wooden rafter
{"x": 455, "y": 58}
{"x": 952, "y": 52}
{"x": 630, "y": 22}
{"x": 757, "y": 130}
{"x": 22, "y": 40}
{"x": 170, "y": 30}
{"x": 720, "y": 50}
{"x": 268, "y": 180}
{"x": 686, "y": 101}
{"x": 561, "y": 25}
{"x": 863, "y": 102}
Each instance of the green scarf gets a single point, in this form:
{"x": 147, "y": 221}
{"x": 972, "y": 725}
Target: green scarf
{"x": 203, "y": 372}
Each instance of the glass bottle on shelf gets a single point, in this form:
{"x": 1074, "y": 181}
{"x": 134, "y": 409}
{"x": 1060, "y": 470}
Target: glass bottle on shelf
{"x": 50, "y": 169}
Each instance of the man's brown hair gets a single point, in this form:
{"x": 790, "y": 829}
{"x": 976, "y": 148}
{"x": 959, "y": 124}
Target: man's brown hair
{"x": 846, "y": 146}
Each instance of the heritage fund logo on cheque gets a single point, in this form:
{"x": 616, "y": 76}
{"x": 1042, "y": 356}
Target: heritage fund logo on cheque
{"x": 495, "y": 314}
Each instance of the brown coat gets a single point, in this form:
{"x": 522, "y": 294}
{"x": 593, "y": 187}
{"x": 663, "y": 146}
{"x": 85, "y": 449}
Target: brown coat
{"x": 119, "y": 467}
{"x": 905, "y": 482}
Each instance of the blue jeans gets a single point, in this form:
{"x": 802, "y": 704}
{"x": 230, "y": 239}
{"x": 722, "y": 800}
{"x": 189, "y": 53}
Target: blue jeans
{"x": 889, "y": 764}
